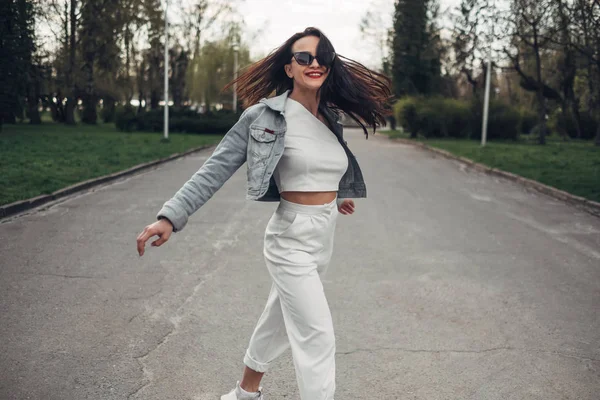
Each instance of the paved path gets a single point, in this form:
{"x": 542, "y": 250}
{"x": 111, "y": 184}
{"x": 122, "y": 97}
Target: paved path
{"x": 445, "y": 284}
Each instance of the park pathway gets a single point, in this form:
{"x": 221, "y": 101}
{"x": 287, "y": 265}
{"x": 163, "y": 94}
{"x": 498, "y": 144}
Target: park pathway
{"x": 445, "y": 284}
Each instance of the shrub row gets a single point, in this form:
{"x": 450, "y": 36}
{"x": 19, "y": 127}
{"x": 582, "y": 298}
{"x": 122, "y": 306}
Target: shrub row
{"x": 588, "y": 125}
{"x": 180, "y": 120}
{"x": 434, "y": 117}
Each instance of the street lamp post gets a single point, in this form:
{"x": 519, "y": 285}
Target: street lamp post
{"x": 236, "y": 48}
{"x": 166, "y": 127}
{"x": 486, "y": 99}
{"x": 486, "y": 102}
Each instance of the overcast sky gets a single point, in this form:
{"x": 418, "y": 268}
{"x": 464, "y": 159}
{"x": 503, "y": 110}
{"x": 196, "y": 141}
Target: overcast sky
{"x": 280, "y": 19}
{"x": 338, "y": 19}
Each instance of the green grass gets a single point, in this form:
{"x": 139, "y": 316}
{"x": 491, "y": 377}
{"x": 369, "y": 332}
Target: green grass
{"x": 572, "y": 166}
{"x": 41, "y": 159}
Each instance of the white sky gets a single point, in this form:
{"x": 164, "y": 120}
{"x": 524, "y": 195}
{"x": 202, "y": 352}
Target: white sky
{"x": 280, "y": 19}
{"x": 338, "y": 19}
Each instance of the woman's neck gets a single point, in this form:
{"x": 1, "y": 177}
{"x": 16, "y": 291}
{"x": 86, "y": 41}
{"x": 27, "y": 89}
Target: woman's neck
{"x": 308, "y": 98}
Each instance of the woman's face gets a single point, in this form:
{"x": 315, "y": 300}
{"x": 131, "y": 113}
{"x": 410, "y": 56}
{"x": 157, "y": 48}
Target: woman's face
{"x": 300, "y": 73}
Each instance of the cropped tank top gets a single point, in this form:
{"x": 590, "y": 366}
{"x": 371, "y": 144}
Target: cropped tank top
{"x": 313, "y": 159}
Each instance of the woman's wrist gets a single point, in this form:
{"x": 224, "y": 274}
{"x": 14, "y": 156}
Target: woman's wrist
{"x": 166, "y": 219}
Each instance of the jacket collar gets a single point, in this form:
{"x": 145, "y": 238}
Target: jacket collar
{"x": 277, "y": 103}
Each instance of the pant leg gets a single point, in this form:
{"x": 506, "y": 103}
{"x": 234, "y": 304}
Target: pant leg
{"x": 293, "y": 259}
{"x": 269, "y": 339}
{"x": 310, "y": 331}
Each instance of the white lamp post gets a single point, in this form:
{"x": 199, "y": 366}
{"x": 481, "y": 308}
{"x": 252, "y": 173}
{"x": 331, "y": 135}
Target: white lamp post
{"x": 236, "y": 48}
{"x": 166, "y": 127}
{"x": 486, "y": 99}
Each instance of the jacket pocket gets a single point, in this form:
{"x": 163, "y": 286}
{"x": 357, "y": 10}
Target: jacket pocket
{"x": 261, "y": 143}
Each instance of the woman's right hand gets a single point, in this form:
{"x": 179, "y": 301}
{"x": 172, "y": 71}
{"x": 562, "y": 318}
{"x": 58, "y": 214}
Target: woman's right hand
{"x": 161, "y": 228}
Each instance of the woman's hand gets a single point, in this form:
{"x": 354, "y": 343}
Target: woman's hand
{"x": 347, "y": 207}
{"x": 161, "y": 228}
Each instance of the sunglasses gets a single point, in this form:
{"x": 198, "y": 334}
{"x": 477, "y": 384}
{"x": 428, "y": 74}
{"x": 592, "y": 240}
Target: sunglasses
{"x": 305, "y": 58}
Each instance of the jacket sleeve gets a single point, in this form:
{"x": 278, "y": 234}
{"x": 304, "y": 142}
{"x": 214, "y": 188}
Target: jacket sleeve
{"x": 227, "y": 158}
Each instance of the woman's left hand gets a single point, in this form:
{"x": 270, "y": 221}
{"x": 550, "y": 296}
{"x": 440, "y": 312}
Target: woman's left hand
{"x": 347, "y": 207}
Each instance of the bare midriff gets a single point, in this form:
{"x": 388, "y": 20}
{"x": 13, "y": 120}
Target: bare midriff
{"x": 309, "y": 198}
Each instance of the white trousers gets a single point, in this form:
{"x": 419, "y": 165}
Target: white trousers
{"x": 298, "y": 244}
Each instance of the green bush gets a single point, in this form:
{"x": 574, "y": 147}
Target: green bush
{"x": 529, "y": 120}
{"x": 456, "y": 117}
{"x": 405, "y": 112}
{"x": 433, "y": 116}
{"x": 180, "y": 120}
{"x": 588, "y": 124}
{"x": 503, "y": 121}
{"x": 125, "y": 118}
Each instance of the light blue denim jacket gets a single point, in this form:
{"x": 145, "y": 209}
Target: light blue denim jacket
{"x": 258, "y": 138}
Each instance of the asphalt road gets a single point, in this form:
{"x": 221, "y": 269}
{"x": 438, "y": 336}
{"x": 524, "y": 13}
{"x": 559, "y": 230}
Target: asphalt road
{"x": 444, "y": 284}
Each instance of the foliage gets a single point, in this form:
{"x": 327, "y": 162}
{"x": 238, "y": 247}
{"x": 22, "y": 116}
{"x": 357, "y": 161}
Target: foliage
{"x": 213, "y": 68}
{"x": 588, "y": 125}
{"x": 416, "y": 48}
{"x": 528, "y": 120}
{"x": 436, "y": 117}
{"x": 180, "y": 120}
{"x": 125, "y": 119}
{"x": 17, "y": 47}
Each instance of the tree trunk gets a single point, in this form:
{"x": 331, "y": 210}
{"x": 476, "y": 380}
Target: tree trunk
{"x": 89, "y": 115}
{"x": 33, "y": 96}
{"x": 89, "y": 47}
{"x": 70, "y": 81}
{"x": 109, "y": 105}
{"x": 540, "y": 92}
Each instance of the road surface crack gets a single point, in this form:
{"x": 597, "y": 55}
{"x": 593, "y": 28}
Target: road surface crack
{"x": 488, "y": 350}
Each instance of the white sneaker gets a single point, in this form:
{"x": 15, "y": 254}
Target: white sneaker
{"x": 236, "y": 394}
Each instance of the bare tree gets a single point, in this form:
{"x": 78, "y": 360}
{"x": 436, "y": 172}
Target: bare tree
{"x": 530, "y": 22}
{"x": 470, "y": 19}
{"x": 377, "y": 31}
{"x": 587, "y": 43}
{"x": 567, "y": 64}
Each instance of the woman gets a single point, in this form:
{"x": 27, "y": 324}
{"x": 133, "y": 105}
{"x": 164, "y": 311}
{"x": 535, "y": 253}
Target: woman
{"x": 293, "y": 144}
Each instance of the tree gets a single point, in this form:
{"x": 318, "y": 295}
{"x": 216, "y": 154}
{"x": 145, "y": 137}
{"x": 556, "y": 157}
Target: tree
{"x": 62, "y": 17}
{"x": 416, "y": 66}
{"x": 531, "y": 27}
{"x": 376, "y": 32}
{"x": 587, "y": 43}
{"x": 567, "y": 64}
{"x": 213, "y": 69}
{"x": 471, "y": 18}
{"x": 17, "y": 48}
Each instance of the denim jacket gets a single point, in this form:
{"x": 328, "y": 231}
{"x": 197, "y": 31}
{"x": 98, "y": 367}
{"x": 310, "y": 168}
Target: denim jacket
{"x": 258, "y": 138}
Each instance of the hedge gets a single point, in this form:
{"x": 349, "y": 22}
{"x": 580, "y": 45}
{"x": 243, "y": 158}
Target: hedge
{"x": 436, "y": 117}
{"x": 588, "y": 124}
{"x": 180, "y": 120}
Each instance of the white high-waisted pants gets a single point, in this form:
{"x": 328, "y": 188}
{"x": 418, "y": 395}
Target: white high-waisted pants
{"x": 298, "y": 244}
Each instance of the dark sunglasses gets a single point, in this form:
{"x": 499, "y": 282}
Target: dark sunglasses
{"x": 305, "y": 58}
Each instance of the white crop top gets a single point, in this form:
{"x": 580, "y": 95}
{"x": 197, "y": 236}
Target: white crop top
{"x": 313, "y": 159}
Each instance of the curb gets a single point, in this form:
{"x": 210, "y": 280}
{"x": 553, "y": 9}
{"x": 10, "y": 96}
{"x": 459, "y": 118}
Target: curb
{"x": 590, "y": 206}
{"x": 10, "y": 209}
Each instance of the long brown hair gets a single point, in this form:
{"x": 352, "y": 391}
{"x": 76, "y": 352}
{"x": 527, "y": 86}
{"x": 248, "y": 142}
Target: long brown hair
{"x": 364, "y": 95}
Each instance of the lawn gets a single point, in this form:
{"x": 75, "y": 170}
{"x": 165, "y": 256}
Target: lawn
{"x": 572, "y": 166}
{"x": 41, "y": 159}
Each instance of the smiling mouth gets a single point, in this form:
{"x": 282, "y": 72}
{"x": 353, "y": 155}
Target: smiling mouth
{"x": 314, "y": 75}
